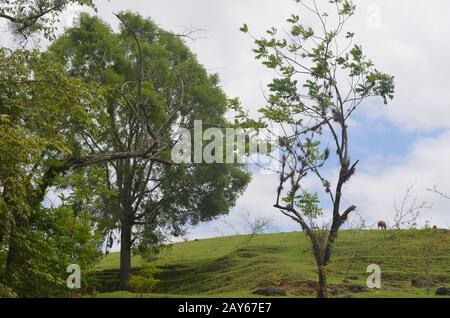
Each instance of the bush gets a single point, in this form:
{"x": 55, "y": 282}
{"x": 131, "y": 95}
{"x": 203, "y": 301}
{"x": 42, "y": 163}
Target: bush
{"x": 6, "y": 292}
{"x": 145, "y": 281}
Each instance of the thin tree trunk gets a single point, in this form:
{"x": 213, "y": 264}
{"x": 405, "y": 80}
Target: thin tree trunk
{"x": 322, "y": 290}
{"x": 318, "y": 255}
{"x": 331, "y": 241}
{"x": 125, "y": 255}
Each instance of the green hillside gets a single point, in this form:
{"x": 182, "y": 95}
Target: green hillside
{"x": 235, "y": 266}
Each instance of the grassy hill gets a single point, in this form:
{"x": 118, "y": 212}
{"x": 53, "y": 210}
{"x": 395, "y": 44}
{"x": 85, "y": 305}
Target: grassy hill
{"x": 237, "y": 266}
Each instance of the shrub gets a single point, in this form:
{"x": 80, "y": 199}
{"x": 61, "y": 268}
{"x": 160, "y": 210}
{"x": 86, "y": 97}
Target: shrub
{"x": 145, "y": 281}
{"x": 6, "y": 292}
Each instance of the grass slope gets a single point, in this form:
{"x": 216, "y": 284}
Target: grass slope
{"x": 235, "y": 266}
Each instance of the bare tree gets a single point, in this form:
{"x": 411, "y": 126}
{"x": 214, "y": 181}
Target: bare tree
{"x": 407, "y": 213}
{"x": 438, "y": 192}
{"x": 255, "y": 226}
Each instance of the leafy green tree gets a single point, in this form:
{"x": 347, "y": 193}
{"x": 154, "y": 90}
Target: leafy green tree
{"x": 41, "y": 108}
{"x": 49, "y": 122}
{"x": 153, "y": 85}
{"x": 323, "y": 78}
{"x": 27, "y": 17}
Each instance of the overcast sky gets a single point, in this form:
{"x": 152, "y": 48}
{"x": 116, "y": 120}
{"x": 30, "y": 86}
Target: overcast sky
{"x": 407, "y": 142}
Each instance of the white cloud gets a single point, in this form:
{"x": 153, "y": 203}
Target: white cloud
{"x": 411, "y": 44}
{"x": 258, "y": 201}
{"x": 425, "y": 166}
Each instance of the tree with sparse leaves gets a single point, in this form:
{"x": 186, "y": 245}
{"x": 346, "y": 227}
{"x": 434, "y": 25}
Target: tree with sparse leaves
{"x": 322, "y": 79}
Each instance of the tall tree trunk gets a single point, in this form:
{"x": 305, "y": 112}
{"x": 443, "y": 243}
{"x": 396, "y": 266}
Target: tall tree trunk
{"x": 125, "y": 254}
{"x": 322, "y": 290}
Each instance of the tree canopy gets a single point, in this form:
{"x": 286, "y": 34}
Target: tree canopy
{"x": 153, "y": 85}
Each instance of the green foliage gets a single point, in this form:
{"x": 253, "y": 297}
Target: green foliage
{"x": 16, "y": 152}
{"x": 307, "y": 203}
{"x": 145, "y": 281}
{"x": 313, "y": 56}
{"x": 36, "y": 16}
{"x": 6, "y": 292}
{"x": 59, "y": 238}
{"x": 41, "y": 111}
{"x": 148, "y": 198}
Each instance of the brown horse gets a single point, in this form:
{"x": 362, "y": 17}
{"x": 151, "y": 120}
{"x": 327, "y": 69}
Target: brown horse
{"x": 382, "y": 225}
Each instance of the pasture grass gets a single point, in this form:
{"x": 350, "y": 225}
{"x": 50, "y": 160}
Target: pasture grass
{"x": 236, "y": 266}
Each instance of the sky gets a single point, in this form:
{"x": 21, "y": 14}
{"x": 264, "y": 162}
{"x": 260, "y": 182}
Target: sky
{"x": 406, "y": 143}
